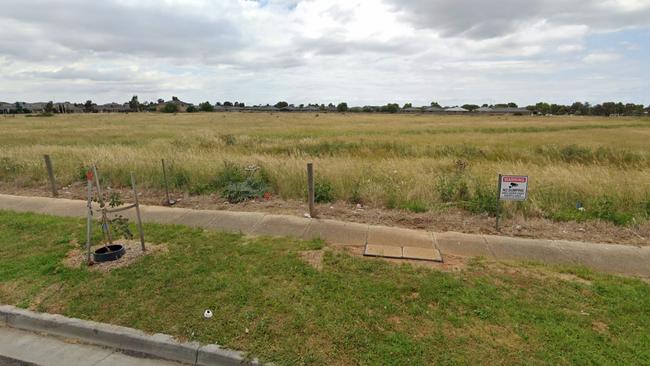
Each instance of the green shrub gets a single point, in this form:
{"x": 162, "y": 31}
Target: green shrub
{"x": 355, "y": 195}
{"x": 170, "y": 108}
{"x": 484, "y": 200}
{"x": 414, "y": 206}
{"x": 237, "y": 183}
{"x": 604, "y": 209}
{"x": 81, "y": 173}
{"x": 180, "y": 179}
{"x": 9, "y": 167}
{"x": 453, "y": 189}
{"x": 323, "y": 192}
{"x": 242, "y": 191}
{"x": 231, "y": 173}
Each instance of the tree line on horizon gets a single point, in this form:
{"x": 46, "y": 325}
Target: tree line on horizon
{"x": 542, "y": 108}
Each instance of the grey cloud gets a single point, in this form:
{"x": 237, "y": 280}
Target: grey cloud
{"x": 104, "y": 26}
{"x": 480, "y": 19}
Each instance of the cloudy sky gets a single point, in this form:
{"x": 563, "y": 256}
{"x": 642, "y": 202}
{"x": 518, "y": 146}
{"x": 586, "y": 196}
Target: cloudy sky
{"x": 362, "y": 52}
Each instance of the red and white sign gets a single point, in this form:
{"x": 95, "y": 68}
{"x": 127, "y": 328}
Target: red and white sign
{"x": 513, "y": 188}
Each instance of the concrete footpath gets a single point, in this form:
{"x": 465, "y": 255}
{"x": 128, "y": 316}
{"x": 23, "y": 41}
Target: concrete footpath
{"x": 377, "y": 240}
{"x": 19, "y": 347}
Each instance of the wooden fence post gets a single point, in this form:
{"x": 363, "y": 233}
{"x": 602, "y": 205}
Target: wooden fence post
{"x": 137, "y": 212}
{"x": 89, "y": 220}
{"x": 166, "y": 185}
{"x": 498, "y": 208}
{"x": 50, "y": 174}
{"x": 310, "y": 189}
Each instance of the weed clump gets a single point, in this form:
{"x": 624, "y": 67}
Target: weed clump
{"x": 238, "y": 184}
{"x": 323, "y": 192}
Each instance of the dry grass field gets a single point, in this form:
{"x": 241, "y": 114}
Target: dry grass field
{"x": 411, "y": 162}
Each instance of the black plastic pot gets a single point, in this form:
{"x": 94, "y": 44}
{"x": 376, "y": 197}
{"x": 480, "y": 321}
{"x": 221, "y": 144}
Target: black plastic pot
{"x": 108, "y": 253}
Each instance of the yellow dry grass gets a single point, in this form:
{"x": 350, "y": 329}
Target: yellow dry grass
{"x": 392, "y": 160}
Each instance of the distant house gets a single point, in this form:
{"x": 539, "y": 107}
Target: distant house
{"x": 67, "y": 107}
{"x": 267, "y": 108}
{"x": 113, "y": 108}
{"x": 504, "y": 111}
{"x": 411, "y": 110}
{"x": 433, "y": 110}
{"x": 456, "y": 110}
{"x": 36, "y": 107}
{"x": 6, "y": 108}
{"x": 310, "y": 108}
{"x": 182, "y": 106}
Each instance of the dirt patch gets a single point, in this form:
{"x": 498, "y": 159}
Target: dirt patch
{"x": 600, "y": 327}
{"x": 537, "y": 273}
{"x": 439, "y": 221}
{"x": 314, "y": 258}
{"x": 44, "y": 295}
{"x": 77, "y": 257}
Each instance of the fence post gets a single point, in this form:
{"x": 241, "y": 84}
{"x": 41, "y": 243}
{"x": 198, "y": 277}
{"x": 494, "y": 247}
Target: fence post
{"x": 50, "y": 174}
{"x": 498, "y": 203}
{"x": 89, "y": 223}
{"x": 137, "y": 212}
{"x": 166, "y": 185}
{"x": 310, "y": 189}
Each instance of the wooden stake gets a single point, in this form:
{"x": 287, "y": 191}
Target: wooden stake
{"x": 89, "y": 222}
{"x": 498, "y": 202}
{"x": 165, "y": 179}
{"x": 50, "y": 174}
{"x": 310, "y": 189}
{"x": 105, "y": 229}
{"x": 137, "y": 212}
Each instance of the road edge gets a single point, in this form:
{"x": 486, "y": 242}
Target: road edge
{"x": 121, "y": 338}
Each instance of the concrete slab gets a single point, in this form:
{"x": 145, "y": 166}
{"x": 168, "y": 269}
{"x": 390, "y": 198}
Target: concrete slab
{"x": 156, "y": 214}
{"x": 280, "y": 225}
{"x": 465, "y": 245}
{"x": 428, "y": 254}
{"x": 337, "y": 232}
{"x": 65, "y": 207}
{"x": 197, "y": 218}
{"x": 621, "y": 259}
{"x": 32, "y": 204}
{"x": 390, "y": 236}
{"x": 235, "y": 222}
{"x": 507, "y": 248}
{"x": 11, "y": 203}
{"x": 383, "y": 251}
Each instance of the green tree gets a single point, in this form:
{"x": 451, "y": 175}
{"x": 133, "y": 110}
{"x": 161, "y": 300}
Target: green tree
{"x": 227, "y": 104}
{"x": 407, "y": 105}
{"x": 281, "y": 104}
{"x": 342, "y": 107}
{"x": 390, "y": 108}
{"x": 49, "y": 107}
{"x": 170, "y": 108}
{"x": 88, "y": 106}
{"x": 542, "y": 108}
{"x": 513, "y": 105}
{"x": 134, "y": 104}
{"x": 435, "y": 104}
{"x": 191, "y": 109}
{"x": 206, "y": 107}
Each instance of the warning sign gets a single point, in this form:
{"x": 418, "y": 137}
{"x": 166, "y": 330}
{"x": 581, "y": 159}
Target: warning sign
{"x": 513, "y": 187}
